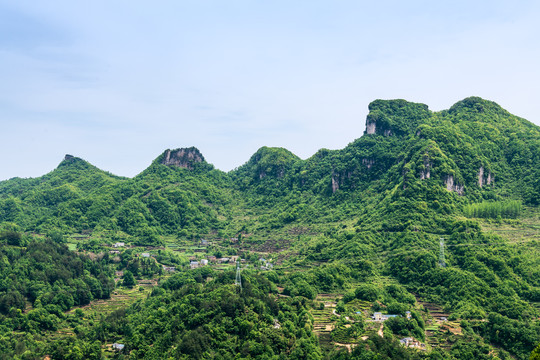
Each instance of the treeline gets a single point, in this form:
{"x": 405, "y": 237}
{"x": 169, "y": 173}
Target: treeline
{"x": 509, "y": 209}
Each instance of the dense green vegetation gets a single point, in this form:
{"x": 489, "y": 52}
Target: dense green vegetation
{"x": 362, "y": 225}
{"x": 38, "y": 284}
{"x": 493, "y": 210}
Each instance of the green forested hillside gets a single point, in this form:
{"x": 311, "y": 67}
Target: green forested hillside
{"x": 396, "y": 221}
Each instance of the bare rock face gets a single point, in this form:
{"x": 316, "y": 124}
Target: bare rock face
{"x": 341, "y": 179}
{"x": 483, "y": 179}
{"x": 335, "y": 184}
{"x": 371, "y": 126}
{"x": 183, "y": 158}
{"x": 451, "y": 186}
{"x": 368, "y": 162}
{"x": 426, "y": 172}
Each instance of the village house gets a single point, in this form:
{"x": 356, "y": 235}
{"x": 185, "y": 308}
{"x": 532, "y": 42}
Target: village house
{"x": 223, "y": 260}
{"x": 194, "y": 264}
{"x": 378, "y": 316}
{"x": 406, "y": 341}
{"x": 119, "y": 244}
{"x": 118, "y": 347}
{"x": 408, "y": 315}
{"x": 267, "y": 266}
{"x": 169, "y": 268}
{"x": 204, "y": 262}
{"x": 145, "y": 255}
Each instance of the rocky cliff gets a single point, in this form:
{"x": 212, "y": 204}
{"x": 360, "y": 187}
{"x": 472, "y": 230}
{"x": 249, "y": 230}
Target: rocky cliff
{"x": 183, "y": 158}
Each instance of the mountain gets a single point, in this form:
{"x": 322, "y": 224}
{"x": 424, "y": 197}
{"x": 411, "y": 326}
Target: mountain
{"x": 397, "y": 218}
{"x": 408, "y": 157}
{"x": 472, "y": 152}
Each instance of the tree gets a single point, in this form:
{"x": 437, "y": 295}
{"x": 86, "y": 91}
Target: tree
{"x": 129, "y": 279}
{"x": 57, "y": 237}
{"x": 12, "y": 237}
{"x": 535, "y": 355}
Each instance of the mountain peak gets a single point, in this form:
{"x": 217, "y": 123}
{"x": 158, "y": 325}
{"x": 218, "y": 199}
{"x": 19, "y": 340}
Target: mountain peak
{"x": 70, "y": 159}
{"x": 182, "y": 157}
{"x": 477, "y": 105}
{"x": 395, "y": 117}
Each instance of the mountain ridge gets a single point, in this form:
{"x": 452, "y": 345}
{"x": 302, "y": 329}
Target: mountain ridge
{"x": 476, "y": 150}
{"x": 383, "y": 119}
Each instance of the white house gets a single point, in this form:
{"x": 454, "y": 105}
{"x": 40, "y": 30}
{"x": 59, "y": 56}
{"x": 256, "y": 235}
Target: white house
{"x": 408, "y": 315}
{"x": 118, "y": 347}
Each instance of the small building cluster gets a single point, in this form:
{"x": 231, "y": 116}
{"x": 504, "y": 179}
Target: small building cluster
{"x": 193, "y": 264}
{"x": 170, "y": 269}
{"x": 412, "y": 343}
{"x": 266, "y": 264}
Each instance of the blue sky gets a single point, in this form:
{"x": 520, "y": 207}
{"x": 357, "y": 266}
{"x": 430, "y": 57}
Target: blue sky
{"x": 118, "y": 82}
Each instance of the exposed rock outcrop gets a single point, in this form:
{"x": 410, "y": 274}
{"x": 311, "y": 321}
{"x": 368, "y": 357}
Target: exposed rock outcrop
{"x": 426, "y": 172}
{"x": 341, "y": 179}
{"x": 183, "y": 158}
{"x": 368, "y": 162}
{"x": 370, "y": 127}
{"x": 335, "y": 184}
{"x": 451, "y": 186}
{"x": 484, "y": 179}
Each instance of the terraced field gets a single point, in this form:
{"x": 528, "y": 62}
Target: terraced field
{"x": 526, "y": 229}
{"x": 323, "y": 323}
